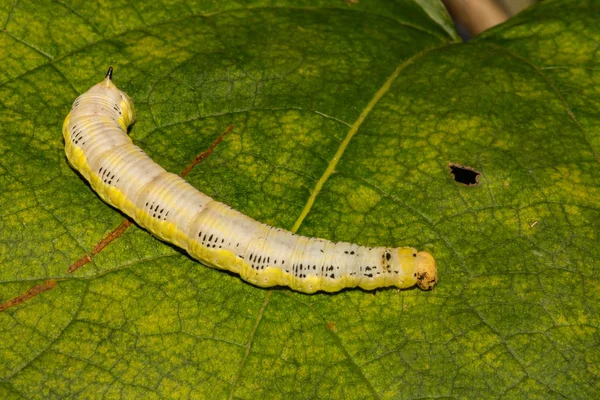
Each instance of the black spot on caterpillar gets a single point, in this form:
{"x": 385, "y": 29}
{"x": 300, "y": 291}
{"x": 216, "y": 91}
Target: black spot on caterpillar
{"x": 97, "y": 145}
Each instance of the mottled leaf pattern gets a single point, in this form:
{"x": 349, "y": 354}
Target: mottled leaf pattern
{"x": 516, "y": 312}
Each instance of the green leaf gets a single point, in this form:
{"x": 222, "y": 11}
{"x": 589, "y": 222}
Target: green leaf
{"x": 347, "y": 113}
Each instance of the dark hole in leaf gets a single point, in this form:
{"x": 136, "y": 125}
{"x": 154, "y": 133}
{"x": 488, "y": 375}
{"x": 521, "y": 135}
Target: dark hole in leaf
{"x": 465, "y": 175}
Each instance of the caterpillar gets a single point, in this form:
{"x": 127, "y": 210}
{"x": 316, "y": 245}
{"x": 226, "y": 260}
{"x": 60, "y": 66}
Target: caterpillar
{"x": 124, "y": 176}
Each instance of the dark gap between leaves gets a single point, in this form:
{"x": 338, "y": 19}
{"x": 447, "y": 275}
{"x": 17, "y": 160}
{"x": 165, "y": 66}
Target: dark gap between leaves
{"x": 465, "y": 175}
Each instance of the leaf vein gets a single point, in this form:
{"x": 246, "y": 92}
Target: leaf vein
{"x": 352, "y": 132}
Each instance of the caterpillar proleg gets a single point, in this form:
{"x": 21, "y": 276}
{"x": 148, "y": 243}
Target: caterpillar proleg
{"x": 97, "y": 145}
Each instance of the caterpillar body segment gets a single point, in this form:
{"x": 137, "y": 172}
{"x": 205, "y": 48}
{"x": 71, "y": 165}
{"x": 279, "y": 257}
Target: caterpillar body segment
{"x": 97, "y": 145}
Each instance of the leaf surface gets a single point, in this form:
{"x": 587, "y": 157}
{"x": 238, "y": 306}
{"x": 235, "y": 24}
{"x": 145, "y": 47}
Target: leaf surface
{"x": 346, "y": 117}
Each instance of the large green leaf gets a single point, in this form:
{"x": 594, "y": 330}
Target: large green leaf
{"x": 348, "y": 113}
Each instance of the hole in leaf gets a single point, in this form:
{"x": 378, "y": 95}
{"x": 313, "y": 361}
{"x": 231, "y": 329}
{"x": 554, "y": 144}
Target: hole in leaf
{"x": 465, "y": 175}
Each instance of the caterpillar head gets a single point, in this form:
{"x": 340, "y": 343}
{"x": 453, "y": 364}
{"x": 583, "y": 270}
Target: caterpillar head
{"x": 426, "y": 270}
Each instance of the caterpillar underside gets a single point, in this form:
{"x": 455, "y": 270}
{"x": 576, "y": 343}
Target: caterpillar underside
{"x": 97, "y": 145}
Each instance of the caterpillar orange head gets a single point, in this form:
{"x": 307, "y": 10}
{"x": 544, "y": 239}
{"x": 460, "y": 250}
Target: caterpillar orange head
{"x": 427, "y": 275}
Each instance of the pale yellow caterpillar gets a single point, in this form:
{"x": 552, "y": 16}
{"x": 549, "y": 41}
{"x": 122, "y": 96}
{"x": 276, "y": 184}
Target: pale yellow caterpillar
{"x": 97, "y": 145}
